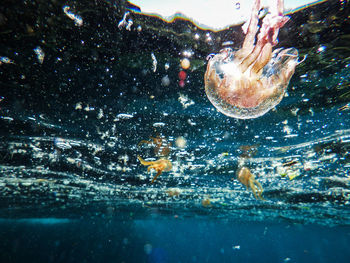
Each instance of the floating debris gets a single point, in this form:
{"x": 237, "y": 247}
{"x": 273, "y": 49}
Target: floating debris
{"x": 248, "y": 151}
{"x": 165, "y": 81}
{"x": 154, "y": 62}
{"x": 287, "y": 129}
{"x": 227, "y": 43}
{"x": 185, "y": 63}
{"x": 79, "y": 106}
{"x": 124, "y": 158}
{"x": 185, "y": 101}
{"x": 291, "y": 135}
{"x": 123, "y": 116}
{"x": 206, "y": 202}
{"x": 181, "y": 142}
{"x": 182, "y": 75}
{"x": 166, "y": 66}
{"x": 6, "y": 60}
{"x": 294, "y": 175}
{"x": 62, "y": 143}
{"x": 40, "y": 54}
{"x": 173, "y": 192}
{"x": 78, "y": 21}
{"x": 290, "y": 163}
{"x": 158, "y": 124}
{"x": 294, "y": 111}
{"x": 224, "y": 154}
{"x": 345, "y": 107}
{"x": 190, "y": 122}
{"x": 125, "y": 23}
{"x": 308, "y": 165}
{"x": 6, "y": 118}
{"x": 128, "y": 27}
{"x": 88, "y": 108}
{"x": 100, "y": 114}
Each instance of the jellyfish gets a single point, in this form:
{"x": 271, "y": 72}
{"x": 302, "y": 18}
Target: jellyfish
{"x": 248, "y": 179}
{"x": 159, "y": 165}
{"x": 249, "y": 82}
{"x": 161, "y": 146}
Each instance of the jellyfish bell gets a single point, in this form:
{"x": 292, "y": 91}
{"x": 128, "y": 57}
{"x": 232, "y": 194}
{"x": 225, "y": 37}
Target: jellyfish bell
{"x": 251, "y": 81}
{"x": 241, "y": 95}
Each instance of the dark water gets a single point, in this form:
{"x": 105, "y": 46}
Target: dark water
{"x": 77, "y": 97}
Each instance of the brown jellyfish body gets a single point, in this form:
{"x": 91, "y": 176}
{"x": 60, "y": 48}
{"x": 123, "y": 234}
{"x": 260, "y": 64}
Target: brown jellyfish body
{"x": 248, "y": 179}
{"x": 249, "y": 82}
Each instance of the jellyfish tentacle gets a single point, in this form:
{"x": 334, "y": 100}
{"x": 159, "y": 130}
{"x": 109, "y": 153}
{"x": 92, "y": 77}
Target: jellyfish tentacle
{"x": 159, "y": 172}
{"x": 159, "y": 166}
{"x": 143, "y": 162}
{"x": 267, "y": 38}
{"x": 256, "y": 188}
{"x": 271, "y": 26}
{"x": 252, "y": 186}
{"x": 248, "y": 179}
{"x": 144, "y": 142}
{"x": 301, "y": 61}
{"x": 248, "y": 43}
{"x": 280, "y": 7}
{"x": 210, "y": 56}
{"x": 252, "y": 57}
{"x": 260, "y": 190}
{"x": 264, "y": 58}
{"x": 287, "y": 55}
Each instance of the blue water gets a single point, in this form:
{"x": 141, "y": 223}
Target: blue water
{"x": 71, "y": 121}
{"x": 169, "y": 240}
